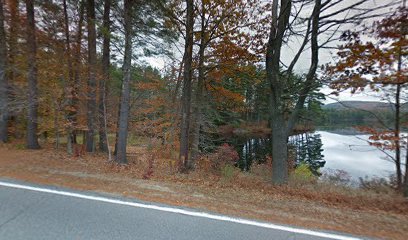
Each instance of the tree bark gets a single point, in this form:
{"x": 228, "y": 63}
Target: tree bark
{"x": 12, "y": 54}
{"x": 279, "y": 133}
{"x": 91, "y": 100}
{"x": 282, "y": 128}
{"x": 406, "y": 172}
{"x": 397, "y": 137}
{"x": 103, "y": 146}
{"x": 77, "y": 69}
{"x": 4, "y": 93}
{"x": 185, "y": 163}
{"x": 69, "y": 113}
{"x": 122, "y": 132}
{"x": 32, "y": 116}
{"x": 198, "y": 106}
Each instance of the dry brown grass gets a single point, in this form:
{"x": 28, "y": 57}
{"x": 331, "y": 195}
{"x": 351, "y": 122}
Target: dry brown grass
{"x": 250, "y": 195}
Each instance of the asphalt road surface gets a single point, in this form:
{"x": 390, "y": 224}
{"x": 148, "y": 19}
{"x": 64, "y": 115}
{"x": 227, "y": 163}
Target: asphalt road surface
{"x": 29, "y": 211}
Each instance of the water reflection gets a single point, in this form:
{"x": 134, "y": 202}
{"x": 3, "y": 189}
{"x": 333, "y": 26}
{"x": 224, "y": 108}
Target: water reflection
{"x": 304, "y": 148}
{"x": 322, "y": 150}
{"x": 252, "y": 150}
{"x": 352, "y": 154}
{"x": 308, "y": 150}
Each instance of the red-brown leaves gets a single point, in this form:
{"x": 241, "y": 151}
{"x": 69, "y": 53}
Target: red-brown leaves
{"x": 372, "y": 63}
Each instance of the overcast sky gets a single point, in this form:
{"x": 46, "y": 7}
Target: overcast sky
{"x": 325, "y": 56}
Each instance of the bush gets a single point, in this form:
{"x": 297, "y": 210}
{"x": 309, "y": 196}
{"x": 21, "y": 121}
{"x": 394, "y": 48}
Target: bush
{"x": 302, "y": 175}
{"x": 336, "y": 177}
{"x": 223, "y": 155}
{"x": 376, "y": 184}
{"x": 227, "y": 172}
{"x": 20, "y": 146}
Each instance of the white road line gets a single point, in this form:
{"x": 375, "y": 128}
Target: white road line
{"x": 180, "y": 211}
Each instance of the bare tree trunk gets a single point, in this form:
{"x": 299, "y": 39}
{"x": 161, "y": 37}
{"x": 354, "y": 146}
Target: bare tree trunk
{"x": 178, "y": 83}
{"x": 105, "y": 120}
{"x": 103, "y": 133}
{"x": 77, "y": 69}
{"x": 397, "y": 137}
{"x": 4, "y": 93}
{"x": 12, "y": 43}
{"x": 406, "y": 153}
{"x": 185, "y": 163}
{"x": 281, "y": 128}
{"x": 32, "y": 117}
{"x": 70, "y": 79}
{"x": 279, "y": 133}
{"x": 405, "y": 185}
{"x": 402, "y": 183}
{"x": 56, "y": 125}
{"x": 198, "y": 106}
{"x": 91, "y": 101}
{"x": 122, "y": 133}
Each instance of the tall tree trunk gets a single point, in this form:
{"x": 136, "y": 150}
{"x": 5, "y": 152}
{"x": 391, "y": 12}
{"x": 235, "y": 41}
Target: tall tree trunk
{"x": 397, "y": 137}
{"x": 12, "y": 54}
{"x": 32, "y": 117}
{"x": 281, "y": 128}
{"x": 70, "y": 111}
{"x": 122, "y": 133}
{"x": 198, "y": 106}
{"x": 278, "y": 125}
{"x": 91, "y": 100}
{"x": 185, "y": 162}
{"x": 402, "y": 182}
{"x": 406, "y": 171}
{"x": 77, "y": 70}
{"x": 4, "y": 115}
{"x": 103, "y": 146}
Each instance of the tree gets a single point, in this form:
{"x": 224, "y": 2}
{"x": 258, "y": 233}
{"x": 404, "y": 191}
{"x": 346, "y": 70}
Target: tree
{"x": 221, "y": 24}
{"x": 32, "y": 117}
{"x": 325, "y": 19}
{"x": 185, "y": 162}
{"x": 73, "y": 116}
{"x": 103, "y": 140}
{"x": 124, "y": 107}
{"x": 280, "y": 130}
{"x": 3, "y": 79}
{"x": 91, "y": 95}
{"x": 70, "y": 77}
{"x": 13, "y": 50}
{"x": 379, "y": 64}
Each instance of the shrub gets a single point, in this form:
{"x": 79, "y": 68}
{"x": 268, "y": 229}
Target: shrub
{"x": 227, "y": 171}
{"x": 20, "y": 146}
{"x": 376, "y": 184}
{"x": 302, "y": 175}
{"x": 336, "y": 177}
{"x": 223, "y": 155}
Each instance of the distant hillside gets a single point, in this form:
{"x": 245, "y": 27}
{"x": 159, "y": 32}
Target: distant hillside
{"x": 366, "y": 105}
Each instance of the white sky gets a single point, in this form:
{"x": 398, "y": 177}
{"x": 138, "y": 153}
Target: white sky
{"x": 302, "y": 66}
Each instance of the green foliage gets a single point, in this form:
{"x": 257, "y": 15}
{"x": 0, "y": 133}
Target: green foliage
{"x": 20, "y": 146}
{"x": 354, "y": 117}
{"x": 309, "y": 151}
{"x": 227, "y": 172}
{"x": 302, "y": 175}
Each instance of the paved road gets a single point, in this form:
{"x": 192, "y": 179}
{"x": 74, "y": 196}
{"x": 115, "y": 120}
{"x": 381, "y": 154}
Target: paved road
{"x": 32, "y": 214}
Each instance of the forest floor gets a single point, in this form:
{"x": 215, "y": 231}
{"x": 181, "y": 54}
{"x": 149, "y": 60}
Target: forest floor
{"x": 247, "y": 195}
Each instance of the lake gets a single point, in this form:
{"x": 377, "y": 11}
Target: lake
{"x": 342, "y": 150}
{"x": 354, "y": 155}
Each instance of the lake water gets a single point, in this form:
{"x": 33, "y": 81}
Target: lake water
{"x": 354, "y": 155}
{"x": 350, "y": 153}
